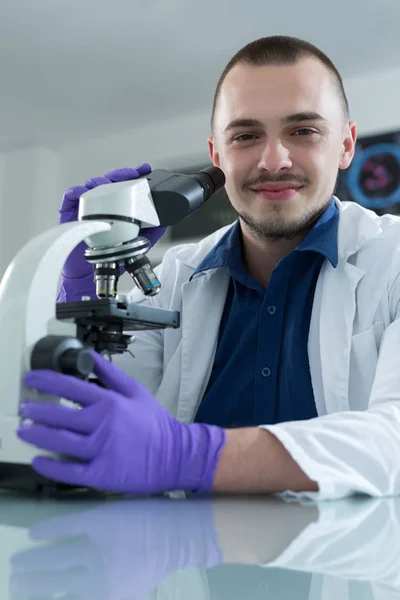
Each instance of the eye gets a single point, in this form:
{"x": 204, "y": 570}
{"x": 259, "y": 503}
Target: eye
{"x": 244, "y": 137}
{"x": 304, "y": 131}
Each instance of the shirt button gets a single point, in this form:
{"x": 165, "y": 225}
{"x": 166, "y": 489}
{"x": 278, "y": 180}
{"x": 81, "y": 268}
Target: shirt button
{"x": 266, "y": 372}
{"x": 271, "y": 309}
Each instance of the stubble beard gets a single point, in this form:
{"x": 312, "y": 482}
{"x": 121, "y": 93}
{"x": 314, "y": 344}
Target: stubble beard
{"x": 278, "y": 227}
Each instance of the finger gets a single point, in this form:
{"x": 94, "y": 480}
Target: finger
{"x": 59, "y": 441}
{"x": 94, "y": 182}
{"x": 127, "y": 173}
{"x": 90, "y": 522}
{"x": 62, "y": 417}
{"x": 53, "y": 556}
{"x": 113, "y": 377}
{"x": 76, "y": 582}
{"x": 144, "y": 169}
{"x": 66, "y": 386}
{"x": 62, "y": 526}
{"x": 63, "y": 471}
{"x": 70, "y": 199}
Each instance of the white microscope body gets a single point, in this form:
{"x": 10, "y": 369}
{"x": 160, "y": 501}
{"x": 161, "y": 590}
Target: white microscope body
{"x": 29, "y": 288}
{"x": 38, "y": 333}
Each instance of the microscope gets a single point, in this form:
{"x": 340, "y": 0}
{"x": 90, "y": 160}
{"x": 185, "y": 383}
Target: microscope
{"x": 38, "y": 333}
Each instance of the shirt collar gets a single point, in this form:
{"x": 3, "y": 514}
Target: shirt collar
{"x": 321, "y": 239}
{"x": 226, "y": 252}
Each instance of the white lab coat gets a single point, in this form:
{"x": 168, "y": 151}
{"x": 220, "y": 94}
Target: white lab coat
{"x": 354, "y": 354}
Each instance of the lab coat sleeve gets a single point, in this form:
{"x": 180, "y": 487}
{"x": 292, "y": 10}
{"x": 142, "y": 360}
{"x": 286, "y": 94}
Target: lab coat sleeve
{"x": 343, "y": 544}
{"x": 355, "y": 451}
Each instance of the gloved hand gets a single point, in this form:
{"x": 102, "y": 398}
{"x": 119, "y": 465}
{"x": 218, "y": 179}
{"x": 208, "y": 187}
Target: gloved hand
{"x": 140, "y": 542}
{"x": 77, "y": 275}
{"x": 122, "y": 440}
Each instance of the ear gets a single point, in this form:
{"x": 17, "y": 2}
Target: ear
{"x": 349, "y": 145}
{"x": 212, "y": 152}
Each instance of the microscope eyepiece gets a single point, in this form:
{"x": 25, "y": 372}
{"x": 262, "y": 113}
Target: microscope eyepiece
{"x": 211, "y": 179}
{"x": 177, "y": 195}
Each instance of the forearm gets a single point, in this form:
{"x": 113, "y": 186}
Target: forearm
{"x": 256, "y": 530}
{"x": 254, "y": 461}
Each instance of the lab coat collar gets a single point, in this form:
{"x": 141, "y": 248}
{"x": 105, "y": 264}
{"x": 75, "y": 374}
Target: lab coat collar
{"x": 357, "y": 225}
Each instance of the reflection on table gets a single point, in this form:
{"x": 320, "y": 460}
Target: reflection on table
{"x": 175, "y": 549}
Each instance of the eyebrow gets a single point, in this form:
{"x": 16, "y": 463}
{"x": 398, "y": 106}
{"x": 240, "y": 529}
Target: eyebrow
{"x": 295, "y": 118}
{"x": 303, "y": 116}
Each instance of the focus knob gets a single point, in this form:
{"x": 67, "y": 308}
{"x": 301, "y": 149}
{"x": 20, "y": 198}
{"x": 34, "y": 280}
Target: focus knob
{"x": 78, "y": 362}
{"x": 62, "y": 354}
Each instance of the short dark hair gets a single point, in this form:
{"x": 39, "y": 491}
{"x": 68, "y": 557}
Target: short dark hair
{"x": 277, "y": 50}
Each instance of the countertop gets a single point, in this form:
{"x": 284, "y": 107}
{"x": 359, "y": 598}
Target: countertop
{"x": 85, "y": 546}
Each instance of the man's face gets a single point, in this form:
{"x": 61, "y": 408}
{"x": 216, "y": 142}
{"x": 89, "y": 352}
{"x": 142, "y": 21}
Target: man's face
{"x": 280, "y": 136}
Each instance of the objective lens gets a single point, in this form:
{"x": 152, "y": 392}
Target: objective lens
{"x": 143, "y": 275}
{"x": 106, "y": 277}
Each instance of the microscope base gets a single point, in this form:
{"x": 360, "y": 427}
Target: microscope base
{"x": 23, "y": 478}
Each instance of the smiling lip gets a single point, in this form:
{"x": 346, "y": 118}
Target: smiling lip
{"x": 283, "y": 190}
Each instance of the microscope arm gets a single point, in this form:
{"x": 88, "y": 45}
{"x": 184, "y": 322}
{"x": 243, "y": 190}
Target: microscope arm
{"x": 28, "y": 293}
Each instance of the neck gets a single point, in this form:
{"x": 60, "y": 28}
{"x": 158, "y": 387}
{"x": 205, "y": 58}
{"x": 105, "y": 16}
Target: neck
{"x": 261, "y": 256}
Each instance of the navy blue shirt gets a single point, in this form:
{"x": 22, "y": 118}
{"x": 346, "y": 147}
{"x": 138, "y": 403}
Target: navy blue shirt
{"x": 261, "y": 371}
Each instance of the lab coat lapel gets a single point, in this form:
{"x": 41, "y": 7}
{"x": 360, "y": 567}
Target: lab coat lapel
{"x": 337, "y": 312}
{"x": 335, "y": 308}
{"x": 203, "y": 300}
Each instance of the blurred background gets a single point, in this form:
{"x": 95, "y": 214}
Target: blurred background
{"x": 88, "y": 86}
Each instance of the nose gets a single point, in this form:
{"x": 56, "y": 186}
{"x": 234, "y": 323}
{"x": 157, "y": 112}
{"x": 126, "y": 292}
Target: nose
{"x": 274, "y": 157}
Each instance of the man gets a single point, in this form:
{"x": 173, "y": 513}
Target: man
{"x": 284, "y": 376}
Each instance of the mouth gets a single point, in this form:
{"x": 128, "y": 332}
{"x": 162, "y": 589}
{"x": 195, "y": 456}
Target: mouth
{"x": 283, "y": 190}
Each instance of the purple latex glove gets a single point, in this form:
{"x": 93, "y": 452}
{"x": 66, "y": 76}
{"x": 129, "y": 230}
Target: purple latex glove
{"x": 77, "y": 275}
{"x": 122, "y": 440}
{"x": 141, "y": 542}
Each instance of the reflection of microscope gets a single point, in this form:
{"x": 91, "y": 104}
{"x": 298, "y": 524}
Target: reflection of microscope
{"x": 36, "y": 333}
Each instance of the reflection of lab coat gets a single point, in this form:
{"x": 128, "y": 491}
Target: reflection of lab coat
{"x": 353, "y": 347}
{"x": 351, "y": 552}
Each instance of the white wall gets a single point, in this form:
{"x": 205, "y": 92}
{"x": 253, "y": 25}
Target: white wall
{"x": 33, "y": 179}
{"x": 163, "y": 144}
{"x": 375, "y": 101}
{"x": 29, "y": 190}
